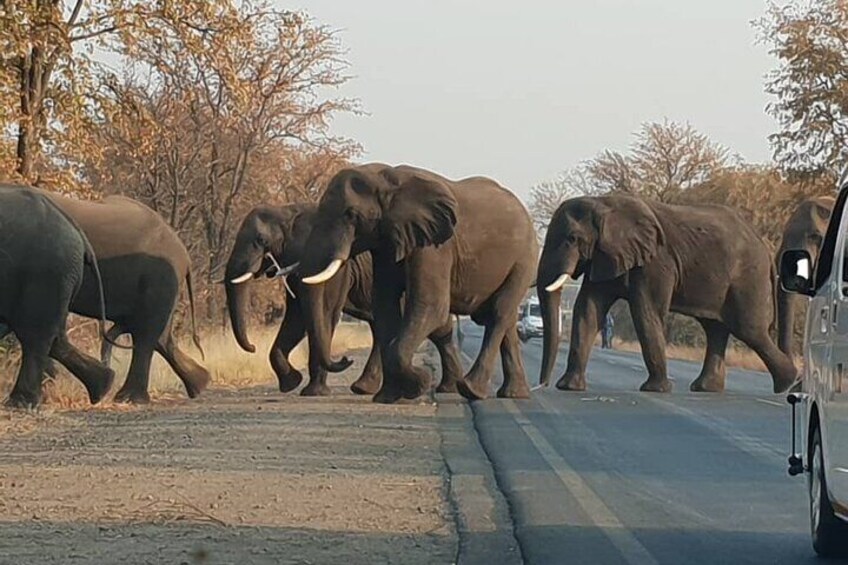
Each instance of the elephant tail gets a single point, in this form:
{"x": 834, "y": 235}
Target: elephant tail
{"x": 194, "y": 336}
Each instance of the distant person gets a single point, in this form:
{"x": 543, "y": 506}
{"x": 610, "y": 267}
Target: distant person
{"x": 606, "y": 332}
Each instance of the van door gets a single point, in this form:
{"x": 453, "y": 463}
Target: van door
{"x": 833, "y": 384}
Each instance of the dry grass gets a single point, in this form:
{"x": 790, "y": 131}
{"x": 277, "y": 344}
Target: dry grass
{"x": 231, "y": 367}
{"x": 736, "y": 357}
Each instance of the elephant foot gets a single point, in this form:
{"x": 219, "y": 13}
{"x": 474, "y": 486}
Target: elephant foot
{"x": 656, "y": 385}
{"x": 472, "y": 389}
{"x": 195, "y": 387}
{"x": 97, "y": 390}
{"x": 517, "y": 389}
{"x": 568, "y": 382}
{"x": 409, "y": 392}
{"x": 366, "y": 385}
{"x": 707, "y": 384}
{"x": 448, "y": 386}
{"x": 316, "y": 389}
{"x": 130, "y": 396}
{"x": 290, "y": 381}
{"x": 22, "y": 401}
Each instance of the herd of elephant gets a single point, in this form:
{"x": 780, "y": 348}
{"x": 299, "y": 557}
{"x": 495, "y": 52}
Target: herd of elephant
{"x": 405, "y": 250}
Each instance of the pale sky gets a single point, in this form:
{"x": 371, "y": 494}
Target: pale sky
{"x": 520, "y": 90}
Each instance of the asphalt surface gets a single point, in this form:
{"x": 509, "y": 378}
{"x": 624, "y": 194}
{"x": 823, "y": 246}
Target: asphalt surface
{"x": 612, "y": 475}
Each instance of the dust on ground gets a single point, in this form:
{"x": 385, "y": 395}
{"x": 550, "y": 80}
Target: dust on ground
{"x": 249, "y": 476}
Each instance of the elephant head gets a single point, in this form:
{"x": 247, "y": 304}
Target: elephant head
{"x": 805, "y": 230}
{"x": 372, "y": 206}
{"x": 376, "y": 207}
{"x": 600, "y": 238}
{"x": 269, "y": 242}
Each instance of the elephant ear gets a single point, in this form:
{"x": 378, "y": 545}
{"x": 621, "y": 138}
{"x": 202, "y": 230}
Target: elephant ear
{"x": 630, "y": 235}
{"x": 422, "y": 212}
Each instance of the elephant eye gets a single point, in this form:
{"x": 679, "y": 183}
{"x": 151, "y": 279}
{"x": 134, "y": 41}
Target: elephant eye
{"x": 571, "y": 239}
{"x": 351, "y": 215}
{"x": 261, "y": 242}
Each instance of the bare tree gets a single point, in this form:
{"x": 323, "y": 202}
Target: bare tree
{"x": 664, "y": 159}
{"x": 546, "y": 196}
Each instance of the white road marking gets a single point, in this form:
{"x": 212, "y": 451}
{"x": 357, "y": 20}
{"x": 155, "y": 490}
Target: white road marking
{"x": 724, "y": 429}
{"x": 630, "y": 548}
{"x": 770, "y": 402}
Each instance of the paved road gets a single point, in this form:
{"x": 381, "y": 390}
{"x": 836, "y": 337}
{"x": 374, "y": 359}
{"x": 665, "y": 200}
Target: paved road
{"x": 616, "y": 476}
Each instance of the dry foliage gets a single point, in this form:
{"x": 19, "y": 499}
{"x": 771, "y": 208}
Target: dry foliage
{"x": 810, "y": 84}
{"x": 230, "y": 366}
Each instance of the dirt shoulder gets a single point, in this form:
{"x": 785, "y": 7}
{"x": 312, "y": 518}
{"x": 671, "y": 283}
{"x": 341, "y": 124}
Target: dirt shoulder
{"x": 250, "y": 476}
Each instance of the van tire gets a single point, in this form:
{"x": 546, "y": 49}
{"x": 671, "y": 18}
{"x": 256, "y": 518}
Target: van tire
{"x": 830, "y": 533}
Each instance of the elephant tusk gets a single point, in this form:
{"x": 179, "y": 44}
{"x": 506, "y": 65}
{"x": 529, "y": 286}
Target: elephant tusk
{"x": 557, "y": 284}
{"x": 326, "y": 274}
{"x": 244, "y": 278}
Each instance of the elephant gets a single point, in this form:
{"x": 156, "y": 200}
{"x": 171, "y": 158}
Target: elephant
{"x": 143, "y": 264}
{"x": 44, "y": 257}
{"x": 702, "y": 261}
{"x": 805, "y": 229}
{"x": 271, "y": 241}
{"x": 439, "y": 247}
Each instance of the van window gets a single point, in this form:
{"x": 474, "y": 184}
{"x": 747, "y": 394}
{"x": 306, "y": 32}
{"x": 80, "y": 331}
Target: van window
{"x": 535, "y": 310}
{"x": 827, "y": 251}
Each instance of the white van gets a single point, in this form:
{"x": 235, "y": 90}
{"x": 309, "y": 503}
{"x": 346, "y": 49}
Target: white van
{"x": 530, "y": 320}
{"x": 822, "y": 436}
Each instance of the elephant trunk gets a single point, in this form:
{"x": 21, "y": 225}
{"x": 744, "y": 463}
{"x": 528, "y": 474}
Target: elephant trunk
{"x": 320, "y": 332}
{"x": 786, "y": 306}
{"x": 549, "y": 303}
{"x": 237, "y": 305}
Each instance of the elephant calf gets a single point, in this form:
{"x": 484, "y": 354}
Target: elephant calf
{"x": 702, "y": 261}
{"x": 43, "y": 259}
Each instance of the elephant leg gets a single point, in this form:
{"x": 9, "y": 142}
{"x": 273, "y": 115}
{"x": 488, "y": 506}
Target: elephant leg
{"x": 194, "y": 376}
{"x": 106, "y": 346}
{"x": 590, "y": 307}
{"x": 714, "y": 371}
{"x": 96, "y": 377}
{"x": 426, "y": 308}
{"x": 449, "y": 355}
{"x": 371, "y": 379}
{"x": 317, "y": 385}
{"x": 292, "y": 330}
{"x": 35, "y": 347}
{"x": 501, "y": 313}
{"x": 648, "y": 314}
{"x": 782, "y": 369}
{"x": 138, "y": 377}
{"x": 515, "y": 378}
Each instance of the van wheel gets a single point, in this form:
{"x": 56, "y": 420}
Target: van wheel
{"x": 830, "y": 534}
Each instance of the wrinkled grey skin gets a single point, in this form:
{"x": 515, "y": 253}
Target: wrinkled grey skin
{"x": 438, "y": 247}
{"x": 701, "y": 261}
{"x": 805, "y": 229}
{"x": 282, "y": 231}
{"x": 143, "y": 264}
{"x": 43, "y": 259}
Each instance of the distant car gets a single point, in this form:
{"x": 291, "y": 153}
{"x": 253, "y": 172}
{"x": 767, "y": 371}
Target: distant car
{"x": 530, "y": 320}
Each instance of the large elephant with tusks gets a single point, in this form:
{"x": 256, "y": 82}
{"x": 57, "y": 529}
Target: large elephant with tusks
{"x": 438, "y": 247}
{"x": 701, "y": 261}
{"x": 271, "y": 241}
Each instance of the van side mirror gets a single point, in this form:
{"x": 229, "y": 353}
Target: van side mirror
{"x": 796, "y": 272}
